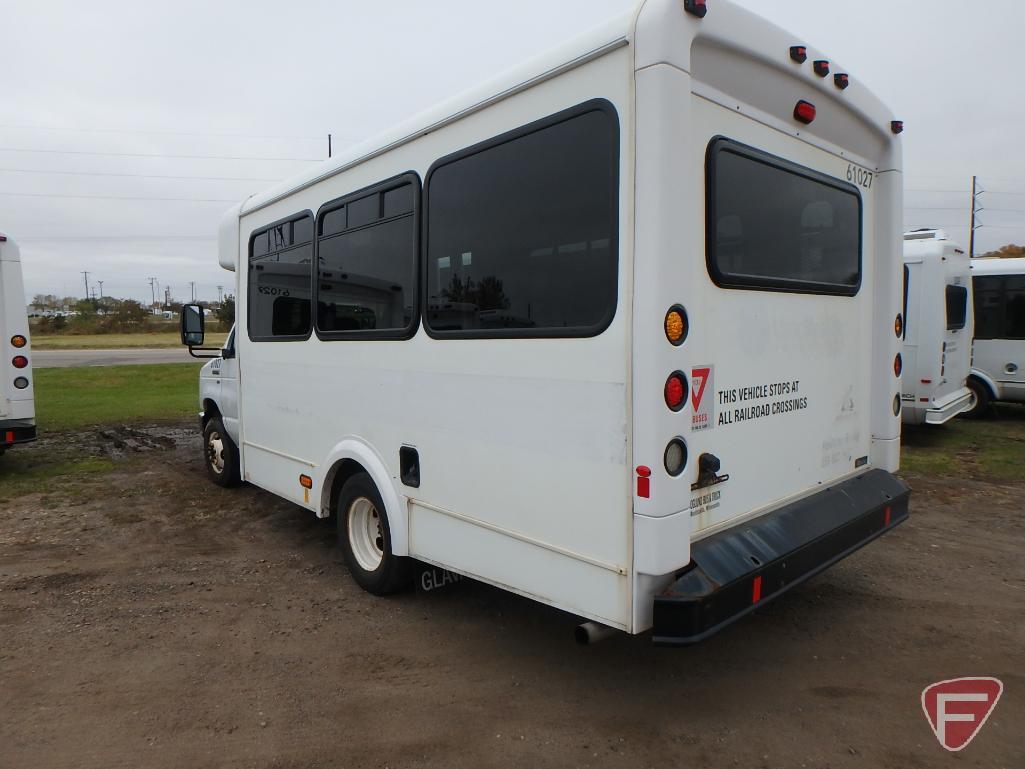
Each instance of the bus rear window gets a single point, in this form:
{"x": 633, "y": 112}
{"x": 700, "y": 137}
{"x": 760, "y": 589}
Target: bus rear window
{"x": 957, "y": 307}
{"x": 774, "y": 225}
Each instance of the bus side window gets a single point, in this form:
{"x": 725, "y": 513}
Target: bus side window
{"x": 280, "y": 262}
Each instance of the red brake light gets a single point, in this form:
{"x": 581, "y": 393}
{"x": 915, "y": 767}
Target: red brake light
{"x": 821, "y": 67}
{"x": 804, "y": 112}
{"x": 898, "y": 365}
{"x": 19, "y": 361}
{"x": 799, "y": 53}
{"x": 676, "y": 391}
{"x": 842, "y": 80}
{"x": 696, "y": 7}
{"x": 897, "y": 126}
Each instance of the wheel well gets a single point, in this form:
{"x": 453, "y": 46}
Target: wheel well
{"x": 210, "y": 410}
{"x": 984, "y": 384}
{"x": 336, "y": 478}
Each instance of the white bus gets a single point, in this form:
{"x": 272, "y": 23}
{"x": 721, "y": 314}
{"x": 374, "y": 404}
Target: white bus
{"x": 938, "y": 324}
{"x": 17, "y": 401}
{"x": 998, "y": 364}
{"x": 616, "y": 332}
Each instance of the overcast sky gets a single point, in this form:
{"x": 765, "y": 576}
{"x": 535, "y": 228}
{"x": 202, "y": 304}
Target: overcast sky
{"x": 259, "y": 85}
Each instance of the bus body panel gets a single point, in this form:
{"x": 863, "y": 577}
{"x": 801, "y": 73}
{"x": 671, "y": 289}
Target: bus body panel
{"x": 937, "y": 347}
{"x": 542, "y": 420}
{"x": 17, "y": 406}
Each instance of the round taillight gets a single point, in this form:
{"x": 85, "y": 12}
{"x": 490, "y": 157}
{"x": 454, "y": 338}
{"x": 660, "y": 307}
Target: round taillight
{"x": 898, "y": 365}
{"x": 898, "y": 326}
{"x": 676, "y": 391}
{"x": 676, "y": 456}
{"x": 20, "y": 382}
{"x": 676, "y": 325}
{"x": 19, "y": 341}
{"x": 896, "y": 405}
{"x": 19, "y": 361}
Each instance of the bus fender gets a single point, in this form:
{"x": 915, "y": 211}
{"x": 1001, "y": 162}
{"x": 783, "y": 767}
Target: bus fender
{"x": 986, "y": 380}
{"x": 395, "y": 505}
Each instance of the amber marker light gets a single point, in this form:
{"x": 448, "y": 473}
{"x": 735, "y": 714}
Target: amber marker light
{"x": 676, "y": 325}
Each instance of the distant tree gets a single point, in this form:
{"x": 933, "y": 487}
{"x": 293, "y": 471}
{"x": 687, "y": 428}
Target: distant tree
{"x": 1009, "y": 251}
{"x": 225, "y": 313}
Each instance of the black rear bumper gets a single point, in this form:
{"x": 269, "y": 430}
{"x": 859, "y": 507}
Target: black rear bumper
{"x": 736, "y": 571}
{"x": 12, "y": 434}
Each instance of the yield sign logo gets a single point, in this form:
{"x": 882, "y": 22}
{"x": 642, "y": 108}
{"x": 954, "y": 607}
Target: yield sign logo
{"x": 957, "y": 709}
{"x": 699, "y": 380}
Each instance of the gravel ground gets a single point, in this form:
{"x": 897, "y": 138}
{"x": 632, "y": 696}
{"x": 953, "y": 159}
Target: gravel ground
{"x": 151, "y": 619}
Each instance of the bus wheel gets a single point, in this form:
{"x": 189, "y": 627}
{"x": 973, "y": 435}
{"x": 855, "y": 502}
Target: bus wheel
{"x": 221, "y": 454}
{"x": 980, "y": 399}
{"x": 365, "y": 539}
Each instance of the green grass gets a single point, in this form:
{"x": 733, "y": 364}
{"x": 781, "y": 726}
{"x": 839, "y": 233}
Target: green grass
{"x": 70, "y": 398}
{"x": 980, "y": 449}
{"x": 154, "y": 339}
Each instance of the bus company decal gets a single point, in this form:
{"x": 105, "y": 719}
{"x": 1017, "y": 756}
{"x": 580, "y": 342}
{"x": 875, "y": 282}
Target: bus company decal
{"x": 702, "y": 398}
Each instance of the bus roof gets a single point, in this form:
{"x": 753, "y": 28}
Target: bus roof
{"x": 994, "y": 265}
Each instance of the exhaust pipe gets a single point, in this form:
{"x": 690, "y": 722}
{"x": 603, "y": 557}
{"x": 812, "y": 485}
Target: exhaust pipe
{"x": 592, "y": 632}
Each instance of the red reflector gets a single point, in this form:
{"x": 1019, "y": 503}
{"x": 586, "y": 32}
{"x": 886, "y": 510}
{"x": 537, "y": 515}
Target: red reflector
{"x": 696, "y": 7}
{"x": 19, "y": 361}
{"x": 926, "y": 381}
{"x": 804, "y": 112}
{"x": 897, "y": 126}
{"x": 886, "y": 516}
{"x": 799, "y": 53}
{"x": 643, "y": 481}
{"x": 924, "y": 400}
{"x": 756, "y": 589}
{"x": 9, "y": 436}
{"x": 821, "y": 67}
{"x": 842, "y": 80}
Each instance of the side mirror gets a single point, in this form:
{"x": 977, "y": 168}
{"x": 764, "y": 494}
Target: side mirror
{"x": 192, "y": 325}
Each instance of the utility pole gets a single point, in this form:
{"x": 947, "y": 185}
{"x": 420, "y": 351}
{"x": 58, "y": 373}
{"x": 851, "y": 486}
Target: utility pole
{"x": 86, "y": 275}
{"x": 192, "y": 284}
{"x": 152, "y": 293}
{"x": 329, "y": 145}
{"x": 971, "y": 237}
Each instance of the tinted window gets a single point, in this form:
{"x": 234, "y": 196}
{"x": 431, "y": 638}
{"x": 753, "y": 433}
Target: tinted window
{"x": 367, "y": 269}
{"x": 279, "y": 281}
{"x": 522, "y": 231}
{"x": 957, "y": 307}
{"x": 904, "y": 324}
{"x": 1015, "y": 306}
{"x": 774, "y": 225}
{"x": 989, "y": 312}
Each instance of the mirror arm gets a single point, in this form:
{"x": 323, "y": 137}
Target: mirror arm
{"x": 192, "y": 352}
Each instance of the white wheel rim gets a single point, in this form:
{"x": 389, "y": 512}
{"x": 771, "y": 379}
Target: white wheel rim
{"x": 366, "y": 535}
{"x": 215, "y": 452}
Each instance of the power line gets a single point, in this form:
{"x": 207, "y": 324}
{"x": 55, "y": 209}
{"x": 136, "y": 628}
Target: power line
{"x": 158, "y": 155}
{"x": 116, "y": 238}
{"x": 155, "y": 133}
{"x": 139, "y": 176}
{"x": 117, "y": 197}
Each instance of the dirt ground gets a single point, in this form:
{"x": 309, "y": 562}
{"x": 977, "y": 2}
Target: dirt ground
{"x": 151, "y": 619}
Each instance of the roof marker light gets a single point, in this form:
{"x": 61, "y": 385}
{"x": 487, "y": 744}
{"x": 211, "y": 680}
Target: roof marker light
{"x": 695, "y": 7}
{"x": 804, "y": 112}
{"x": 842, "y": 80}
{"x": 821, "y": 67}
{"x": 897, "y": 126}
{"x": 799, "y": 53}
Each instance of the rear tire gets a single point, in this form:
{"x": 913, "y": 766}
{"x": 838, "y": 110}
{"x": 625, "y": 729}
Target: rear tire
{"x": 365, "y": 538}
{"x": 220, "y": 454}
{"x": 980, "y": 400}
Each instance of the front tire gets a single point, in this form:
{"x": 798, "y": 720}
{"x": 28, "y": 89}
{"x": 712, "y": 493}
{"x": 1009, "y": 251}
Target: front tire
{"x": 980, "y": 399}
{"x": 220, "y": 454}
{"x": 365, "y": 538}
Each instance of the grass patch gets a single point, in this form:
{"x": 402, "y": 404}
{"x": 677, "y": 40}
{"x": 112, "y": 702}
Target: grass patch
{"x": 27, "y": 473}
{"x": 153, "y": 339}
{"x": 70, "y": 398}
{"x": 980, "y": 449}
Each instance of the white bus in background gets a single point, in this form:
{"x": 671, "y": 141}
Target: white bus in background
{"x": 615, "y": 332}
{"x": 937, "y": 328}
{"x": 17, "y": 401}
{"x": 998, "y": 353}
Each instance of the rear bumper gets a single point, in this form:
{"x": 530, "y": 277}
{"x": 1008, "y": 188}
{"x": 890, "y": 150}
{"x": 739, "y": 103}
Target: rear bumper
{"x": 737, "y": 570}
{"x": 12, "y": 434}
{"x": 948, "y": 409}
